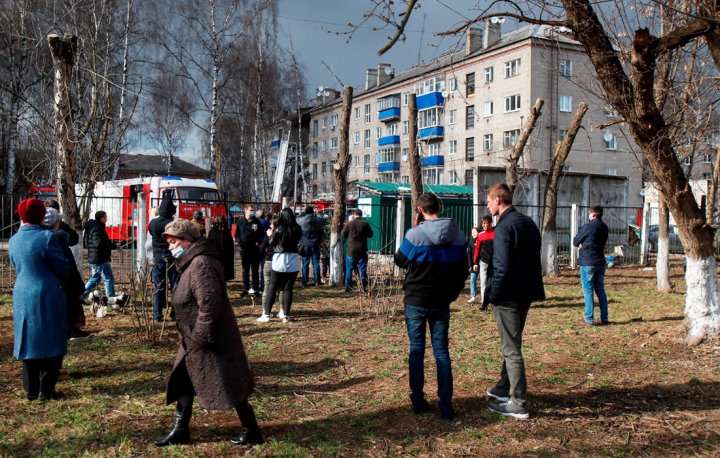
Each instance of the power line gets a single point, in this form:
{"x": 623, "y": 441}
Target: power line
{"x": 315, "y": 21}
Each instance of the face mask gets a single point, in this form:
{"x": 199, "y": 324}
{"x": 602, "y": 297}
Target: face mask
{"x": 177, "y": 252}
{"x": 251, "y": 214}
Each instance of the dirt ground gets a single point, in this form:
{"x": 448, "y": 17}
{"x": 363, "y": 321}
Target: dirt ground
{"x": 333, "y": 382}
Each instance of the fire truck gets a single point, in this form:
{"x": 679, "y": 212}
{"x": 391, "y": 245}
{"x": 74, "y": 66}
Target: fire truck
{"x": 118, "y": 199}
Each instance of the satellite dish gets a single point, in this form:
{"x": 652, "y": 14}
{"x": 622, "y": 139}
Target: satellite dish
{"x": 497, "y": 20}
{"x": 444, "y": 94}
{"x": 389, "y": 71}
{"x": 321, "y": 88}
{"x": 608, "y": 137}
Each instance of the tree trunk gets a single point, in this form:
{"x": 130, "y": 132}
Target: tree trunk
{"x": 511, "y": 173}
{"x": 662, "y": 264}
{"x": 416, "y": 184}
{"x": 712, "y": 193}
{"x": 549, "y": 224}
{"x": 340, "y": 171}
{"x": 62, "y": 50}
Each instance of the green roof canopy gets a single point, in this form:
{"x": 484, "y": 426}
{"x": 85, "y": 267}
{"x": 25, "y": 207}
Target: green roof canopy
{"x": 396, "y": 189}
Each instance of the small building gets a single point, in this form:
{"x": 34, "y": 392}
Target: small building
{"x": 147, "y": 165}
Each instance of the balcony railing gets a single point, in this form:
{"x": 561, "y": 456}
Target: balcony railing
{"x": 431, "y": 133}
{"x": 432, "y": 161}
{"x": 429, "y": 100}
{"x": 389, "y": 140}
{"x": 389, "y": 166}
{"x": 389, "y": 114}
{"x": 275, "y": 144}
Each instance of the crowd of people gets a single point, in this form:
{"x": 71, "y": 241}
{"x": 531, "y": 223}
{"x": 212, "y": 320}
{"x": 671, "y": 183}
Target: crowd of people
{"x": 194, "y": 259}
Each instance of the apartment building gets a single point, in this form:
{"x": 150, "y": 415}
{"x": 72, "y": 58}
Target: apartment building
{"x": 472, "y": 106}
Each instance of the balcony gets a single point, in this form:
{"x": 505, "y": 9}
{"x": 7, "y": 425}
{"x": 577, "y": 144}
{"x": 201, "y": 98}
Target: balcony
{"x": 432, "y": 161}
{"x": 431, "y": 133}
{"x": 389, "y": 166}
{"x": 389, "y": 140}
{"x": 429, "y": 100}
{"x": 275, "y": 143}
{"x": 389, "y": 114}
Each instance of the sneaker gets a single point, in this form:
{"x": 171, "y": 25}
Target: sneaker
{"x": 497, "y": 394}
{"x": 76, "y": 334}
{"x": 251, "y": 291}
{"x": 286, "y": 319}
{"x": 509, "y": 409}
{"x": 471, "y": 300}
{"x": 447, "y": 414}
{"x": 263, "y": 318}
{"x": 281, "y": 314}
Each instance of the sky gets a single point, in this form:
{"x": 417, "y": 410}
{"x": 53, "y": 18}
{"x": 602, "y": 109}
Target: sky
{"x": 311, "y": 26}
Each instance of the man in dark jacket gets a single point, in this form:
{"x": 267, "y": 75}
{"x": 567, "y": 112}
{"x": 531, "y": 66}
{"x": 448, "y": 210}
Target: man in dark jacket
{"x": 313, "y": 233}
{"x": 357, "y": 231}
{"x": 591, "y": 239}
{"x": 99, "y": 249}
{"x": 249, "y": 235}
{"x": 515, "y": 282}
{"x": 163, "y": 271}
{"x": 434, "y": 252}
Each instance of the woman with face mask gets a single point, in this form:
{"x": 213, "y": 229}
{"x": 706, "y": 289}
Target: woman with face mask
{"x": 211, "y": 361}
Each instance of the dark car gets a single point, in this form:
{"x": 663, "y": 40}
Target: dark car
{"x": 674, "y": 238}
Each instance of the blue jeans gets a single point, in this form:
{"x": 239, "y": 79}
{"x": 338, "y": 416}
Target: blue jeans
{"x": 308, "y": 253}
{"x": 103, "y": 270}
{"x": 161, "y": 273}
{"x": 439, "y": 322}
{"x": 473, "y": 283}
{"x": 351, "y": 262}
{"x": 593, "y": 279}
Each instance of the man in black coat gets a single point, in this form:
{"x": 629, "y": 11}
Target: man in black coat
{"x": 515, "y": 282}
{"x": 163, "y": 271}
{"x": 313, "y": 232}
{"x": 591, "y": 238}
{"x": 99, "y": 249}
{"x": 357, "y": 232}
{"x": 249, "y": 235}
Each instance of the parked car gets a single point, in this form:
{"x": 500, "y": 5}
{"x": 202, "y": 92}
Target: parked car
{"x": 674, "y": 238}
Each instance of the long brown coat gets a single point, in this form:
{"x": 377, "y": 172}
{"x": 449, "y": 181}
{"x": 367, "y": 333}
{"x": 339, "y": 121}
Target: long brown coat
{"x": 210, "y": 340}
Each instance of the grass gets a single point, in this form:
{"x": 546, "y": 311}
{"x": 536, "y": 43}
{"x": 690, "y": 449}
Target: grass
{"x": 333, "y": 383}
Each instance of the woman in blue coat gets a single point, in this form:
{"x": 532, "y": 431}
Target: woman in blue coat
{"x": 39, "y": 304}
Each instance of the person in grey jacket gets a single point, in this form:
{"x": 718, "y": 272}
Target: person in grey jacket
{"x": 591, "y": 238}
{"x": 357, "y": 232}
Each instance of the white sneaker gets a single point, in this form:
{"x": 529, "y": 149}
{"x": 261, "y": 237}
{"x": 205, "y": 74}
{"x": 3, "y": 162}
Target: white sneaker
{"x": 286, "y": 319}
{"x": 263, "y": 318}
{"x": 472, "y": 300}
{"x": 281, "y": 315}
{"x": 251, "y": 291}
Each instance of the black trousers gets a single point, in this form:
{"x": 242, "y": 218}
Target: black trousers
{"x": 40, "y": 375}
{"x": 280, "y": 281}
{"x": 250, "y": 263}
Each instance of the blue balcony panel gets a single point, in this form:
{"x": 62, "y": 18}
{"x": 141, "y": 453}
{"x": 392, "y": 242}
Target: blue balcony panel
{"x": 431, "y": 133}
{"x": 389, "y": 114}
{"x": 432, "y": 161}
{"x": 275, "y": 144}
{"x": 429, "y": 100}
{"x": 389, "y": 166}
{"x": 389, "y": 140}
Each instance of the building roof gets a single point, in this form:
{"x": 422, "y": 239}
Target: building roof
{"x": 154, "y": 165}
{"x": 396, "y": 189}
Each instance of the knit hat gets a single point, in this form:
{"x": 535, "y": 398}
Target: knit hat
{"x": 182, "y": 229}
{"x": 52, "y": 216}
{"x": 32, "y": 211}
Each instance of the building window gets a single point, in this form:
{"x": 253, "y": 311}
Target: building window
{"x": 324, "y": 122}
{"x": 470, "y": 116}
{"x": 389, "y": 154}
{"x": 392, "y": 129}
{"x": 334, "y": 143}
{"x": 405, "y": 99}
{"x": 452, "y": 147}
{"x": 487, "y": 142}
{"x": 611, "y": 142}
{"x": 453, "y": 84}
{"x": 368, "y": 110}
{"x": 357, "y": 162}
{"x": 453, "y": 116}
{"x": 470, "y": 83}
{"x": 488, "y": 109}
{"x": 453, "y": 177}
{"x": 357, "y": 112}
{"x": 470, "y": 149}
{"x": 433, "y": 149}
{"x": 367, "y": 138}
{"x": 565, "y": 103}
{"x": 366, "y": 168}
{"x": 707, "y": 159}
{"x": 429, "y": 85}
{"x": 357, "y": 138}
{"x": 406, "y": 127}
{"x": 432, "y": 176}
{"x": 512, "y": 103}
{"x": 405, "y": 179}
{"x": 489, "y": 75}
{"x": 315, "y": 190}
{"x": 322, "y": 145}
{"x": 334, "y": 120}
{"x": 315, "y": 150}
{"x": 429, "y": 118}
{"x": 378, "y": 132}
{"x": 469, "y": 177}
{"x": 404, "y": 154}
{"x": 561, "y": 134}
{"x": 566, "y": 68}
{"x": 315, "y": 128}
{"x": 512, "y": 68}
{"x": 323, "y": 168}
{"x": 510, "y": 137}
{"x": 314, "y": 172}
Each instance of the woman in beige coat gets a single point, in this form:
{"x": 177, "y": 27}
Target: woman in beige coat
{"x": 211, "y": 360}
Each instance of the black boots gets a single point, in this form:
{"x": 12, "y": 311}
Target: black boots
{"x": 251, "y": 433}
{"x": 180, "y": 433}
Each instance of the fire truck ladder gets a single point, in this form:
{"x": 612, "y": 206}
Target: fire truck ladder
{"x": 281, "y": 165}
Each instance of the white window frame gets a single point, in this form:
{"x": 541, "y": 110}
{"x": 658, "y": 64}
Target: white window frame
{"x": 512, "y": 68}
{"x": 487, "y": 142}
{"x": 430, "y": 118}
{"x": 368, "y": 113}
{"x": 512, "y": 103}
{"x": 452, "y": 147}
{"x": 324, "y": 122}
{"x": 452, "y": 116}
{"x": 404, "y": 154}
{"x": 612, "y": 144}
{"x": 566, "y": 68}
{"x": 488, "y": 109}
{"x": 392, "y": 129}
{"x": 405, "y": 127}
{"x": 510, "y": 138}
{"x": 453, "y": 84}
{"x": 453, "y": 177}
{"x": 405, "y": 99}
{"x": 565, "y": 103}
{"x": 334, "y": 143}
{"x": 334, "y": 120}
{"x": 367, "y": 136}
{"x": 366, "y": 164}
{"x": 488, "y": 75}
{"x": 378, "y": 132}
{"x": 433, "y": 149}
{"x": 357, "y": 112}
{"x": 357, "y": 138}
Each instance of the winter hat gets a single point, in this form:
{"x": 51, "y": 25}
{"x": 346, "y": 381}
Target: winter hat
{"x": 31, "y": 211}
{"x": 182, "y": 229}
{"x": 52, "y": 216}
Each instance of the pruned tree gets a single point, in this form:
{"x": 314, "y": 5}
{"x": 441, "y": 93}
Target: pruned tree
{"x": 549, "y": 226}
{"x": 511, "y": 168}
{"x": 416, "y": 184}
{"x": 340, "y": 171}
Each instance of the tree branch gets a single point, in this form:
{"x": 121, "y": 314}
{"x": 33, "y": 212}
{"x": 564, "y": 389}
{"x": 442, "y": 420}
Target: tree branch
{"x": 400, "y": 28}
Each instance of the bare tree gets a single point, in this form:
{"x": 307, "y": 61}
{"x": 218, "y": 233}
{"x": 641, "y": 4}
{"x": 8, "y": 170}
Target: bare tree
{"x": 416, "y": 184}
{"x": 511, "y": 168}
{"x": 340, "y": 170}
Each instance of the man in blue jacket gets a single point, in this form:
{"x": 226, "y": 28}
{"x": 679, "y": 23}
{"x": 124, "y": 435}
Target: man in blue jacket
{"x": 515, "y": 282}
{"x": 433, "y": 252}
{"x": 591, "y": 239}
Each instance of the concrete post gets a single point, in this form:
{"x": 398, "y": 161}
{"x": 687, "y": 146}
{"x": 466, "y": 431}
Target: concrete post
{"x": 477, "y": 205}
{"x": 141, "y": 236}
{"x": 574, "y": 217}
{"x": 399, "y": 227}
{"x": 644, "y": 234}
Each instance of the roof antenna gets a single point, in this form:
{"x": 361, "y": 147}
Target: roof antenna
{"x": 333, "y": 74}
{"x": 422, "y": 33}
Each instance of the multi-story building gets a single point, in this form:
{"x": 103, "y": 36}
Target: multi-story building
{"x": 472, "y": 106}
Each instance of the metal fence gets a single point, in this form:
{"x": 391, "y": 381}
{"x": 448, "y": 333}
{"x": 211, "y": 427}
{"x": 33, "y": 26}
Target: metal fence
{"x": 383, "y": 218}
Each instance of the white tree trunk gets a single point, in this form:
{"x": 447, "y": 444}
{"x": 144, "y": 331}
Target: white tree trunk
{"x": 702, "y": 308}
{"x": 549, "y": 252}
{"x": 336, "y": 259}
{"x": 662, "y": 266}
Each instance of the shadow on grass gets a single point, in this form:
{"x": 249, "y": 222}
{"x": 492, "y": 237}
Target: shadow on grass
{"x": 293, "y": 368}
